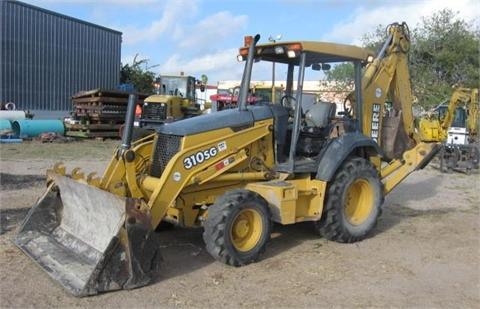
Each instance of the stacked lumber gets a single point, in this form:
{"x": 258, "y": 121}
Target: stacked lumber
{"x": 98, "y": 113}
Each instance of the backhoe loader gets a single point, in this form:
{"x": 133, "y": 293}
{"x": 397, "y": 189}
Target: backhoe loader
{"x": 456, "y": 125}
{"x": 175, "y": 99}
{"x": 236, "y": 171}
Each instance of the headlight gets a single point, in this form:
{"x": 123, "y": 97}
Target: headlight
{"x": 291, "y": 54}
{"x": 279, "y": 50}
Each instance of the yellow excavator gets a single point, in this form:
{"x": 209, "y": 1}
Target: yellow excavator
{"x": 236, "y": 171}
{"x": 456, "y": 125}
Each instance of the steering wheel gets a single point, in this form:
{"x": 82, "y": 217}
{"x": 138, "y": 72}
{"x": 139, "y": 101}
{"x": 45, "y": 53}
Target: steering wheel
{"x": 286, "y": 101}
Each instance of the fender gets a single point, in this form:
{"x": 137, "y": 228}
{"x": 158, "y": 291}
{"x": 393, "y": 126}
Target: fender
{"x": 339, "y": 149}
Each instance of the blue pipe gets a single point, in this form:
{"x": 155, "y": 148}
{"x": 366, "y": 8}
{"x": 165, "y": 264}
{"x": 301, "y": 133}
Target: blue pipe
{"x": 5, "y": 124}
{"x": 10, "y": 140}
{"x": 33, "y": 128}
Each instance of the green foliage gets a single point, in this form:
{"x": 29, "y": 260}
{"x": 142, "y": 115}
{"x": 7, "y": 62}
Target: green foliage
{"x": 445, "y": 54}
{"x": 374, "y": 40}
{"x": 341, "y": 73}
{"x": 141, "y": 78}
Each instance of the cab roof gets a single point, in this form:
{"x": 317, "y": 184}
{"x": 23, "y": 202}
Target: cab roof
{"x": 317, "y": 52}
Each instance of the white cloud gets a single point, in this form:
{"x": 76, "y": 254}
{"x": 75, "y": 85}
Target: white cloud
{"x": 173, "y": 13}
{"x": 217, "y": 66}
{"x": 366, "y": 19}
{"x": 213, "y": 28}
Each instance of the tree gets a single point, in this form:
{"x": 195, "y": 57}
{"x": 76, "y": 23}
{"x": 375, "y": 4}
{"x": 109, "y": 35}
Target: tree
{"x": 141, "y": 78}
{"x": 341, "y": 73}
{"x": 444, "y": 53}
{"x": 374, "y": 40}
{"x": 204, "y": 79}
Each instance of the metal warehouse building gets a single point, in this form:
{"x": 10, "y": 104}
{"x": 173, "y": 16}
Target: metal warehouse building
{"x": 46, "y": 57}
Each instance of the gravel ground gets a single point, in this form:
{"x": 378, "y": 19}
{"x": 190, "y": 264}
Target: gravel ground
{"x": 423, "y": 253}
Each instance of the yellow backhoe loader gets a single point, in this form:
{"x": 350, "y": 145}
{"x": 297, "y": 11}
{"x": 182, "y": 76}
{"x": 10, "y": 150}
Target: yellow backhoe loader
{"x": 456, "y": 125}
{"x": 175, "y": 99}
{"x": 235, "y": 171}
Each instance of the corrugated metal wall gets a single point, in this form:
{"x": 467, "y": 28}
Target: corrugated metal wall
{"x": 46, "y": 57}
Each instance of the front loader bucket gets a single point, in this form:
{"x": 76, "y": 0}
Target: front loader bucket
{"x": 88, "y": 239}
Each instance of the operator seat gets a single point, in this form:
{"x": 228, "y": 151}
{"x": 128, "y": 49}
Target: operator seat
{"x": 320, "y": 114}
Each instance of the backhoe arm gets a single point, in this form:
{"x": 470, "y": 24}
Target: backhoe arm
{"x": 433, "y": 129}
{"x": 465, "y": 96}
{"x": 472, "y": 120}
{"x": 387, "y": 78}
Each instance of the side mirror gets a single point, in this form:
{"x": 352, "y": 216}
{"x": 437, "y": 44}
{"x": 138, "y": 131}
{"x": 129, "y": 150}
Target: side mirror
{"x": 316, "y": 66}
{"x": 326, "y": 66}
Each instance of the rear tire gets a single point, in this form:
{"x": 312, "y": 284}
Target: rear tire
{"x": 237, "y": 228}
{"x": 353, "y": 202}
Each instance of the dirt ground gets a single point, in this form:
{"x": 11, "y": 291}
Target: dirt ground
{"x": 423, "y": 253}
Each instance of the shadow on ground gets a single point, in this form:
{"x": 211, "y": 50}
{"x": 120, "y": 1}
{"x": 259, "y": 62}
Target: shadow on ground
{"x": 396, "y": 211}
{"x": 17, "y": 182}
{"x": 183, "y": 250}
{"x": 11, "y": 218}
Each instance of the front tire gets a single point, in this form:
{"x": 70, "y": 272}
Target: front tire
{"x": 353, "y": 202}
{"x": 237, "y": 228}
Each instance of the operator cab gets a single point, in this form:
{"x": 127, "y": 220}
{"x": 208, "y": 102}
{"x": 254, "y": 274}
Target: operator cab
{"x": 181, "y": 86}
{"x": 301, "y": 137}
{"x": 174, "y": 99}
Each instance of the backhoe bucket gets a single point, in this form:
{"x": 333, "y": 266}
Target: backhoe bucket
{"x": 88, "y": 239}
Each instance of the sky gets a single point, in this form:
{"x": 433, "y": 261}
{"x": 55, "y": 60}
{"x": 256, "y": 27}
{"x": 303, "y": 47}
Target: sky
{"x": 202, "y": 36}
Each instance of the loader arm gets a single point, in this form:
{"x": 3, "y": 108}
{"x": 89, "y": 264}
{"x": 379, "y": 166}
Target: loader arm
{"x": 115, "y": 178}
{"x": 163, "y": 192}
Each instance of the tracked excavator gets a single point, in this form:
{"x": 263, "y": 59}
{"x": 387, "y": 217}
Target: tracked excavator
{"x": 456, "y": 126}
{"x": 234, "y": 172}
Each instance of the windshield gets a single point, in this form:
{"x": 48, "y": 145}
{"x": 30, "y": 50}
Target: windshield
{"x": 177, "y": 86}
{"x": 314, "y": 89}
{"x": 459, "y": 118}
{"x": 265, "y": 94}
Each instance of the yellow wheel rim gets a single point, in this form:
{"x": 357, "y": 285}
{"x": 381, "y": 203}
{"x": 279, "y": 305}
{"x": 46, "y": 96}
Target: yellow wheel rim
{"x": 359, "y": 202}
{"x": 246, "y": 230}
